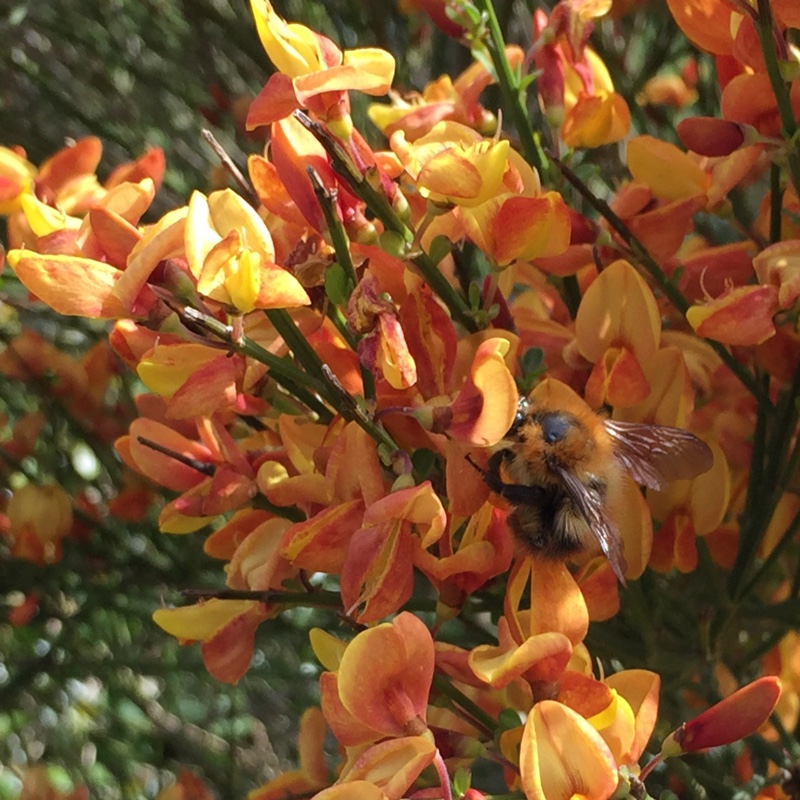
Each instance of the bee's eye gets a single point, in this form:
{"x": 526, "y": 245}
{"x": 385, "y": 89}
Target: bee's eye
{"x": 554, "y": 427}
{"x": 523, "y": 412}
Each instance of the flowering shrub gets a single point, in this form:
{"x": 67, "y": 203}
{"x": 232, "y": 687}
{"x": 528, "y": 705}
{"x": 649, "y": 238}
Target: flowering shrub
{"x": 334, "y": 348}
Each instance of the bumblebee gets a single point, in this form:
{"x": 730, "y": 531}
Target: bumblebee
{"x": 562, "y": 470}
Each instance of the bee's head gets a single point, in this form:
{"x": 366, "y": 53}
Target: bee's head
{"x": 555, "y": 425}
{"x": 563, "y": 438}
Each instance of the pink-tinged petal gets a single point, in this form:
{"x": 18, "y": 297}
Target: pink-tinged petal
{"x": 741, "y": 316}
{"x": 293, "y": 151}
{"x": 160, "y": 241}
{"x": 389, "y": 694}
{"x": 200, "y": 621}
{"x": 431, "y": 340}
{"x": 710, "y": 136}
{"x": 617, "y": 379}
{"x": 747, "y": 99}
{"x": 208, "y": 389}
{"x": 562, "y": 757}
{"x": 511, "y": 228}
{"x": 70, "y": 285}
{"x": 223, "y": 542}
{"x": 355, "y": 446}
{"x": 168, "y": 366}
{"x": 419, "y": 506}
{"x": 79, "y": 158}
{"x": 113, "y": 235}
{"x": 227, "y": 654}
{"x": 159, "y": 467}
{"x": 546, "y": 655}
{"x": 484, "y": 407}
{"x": 320, "y": 543}
{"x": 710, "y": 271}
{"x": 663, "y": 230}
{"x": 392, "y": 765}
{"x": 640, "y": 688}
{"x": 276, "y": 101}
{"x": 348, "y": 729}
{"x": 733, "y": 718}
{"x": 378, "y": 573}
{"x": 150, "y": 166}
{"x": 257, "y": 563}
{"x": 670, "y": 173}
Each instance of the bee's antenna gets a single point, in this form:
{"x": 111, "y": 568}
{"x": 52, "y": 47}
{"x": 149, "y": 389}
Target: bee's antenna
{"x": 474, "y": 465}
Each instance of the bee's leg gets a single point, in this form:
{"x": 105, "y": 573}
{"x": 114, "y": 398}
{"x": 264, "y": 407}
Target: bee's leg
{"x": 516, "y": 494}
{"x": 519, "y": 495}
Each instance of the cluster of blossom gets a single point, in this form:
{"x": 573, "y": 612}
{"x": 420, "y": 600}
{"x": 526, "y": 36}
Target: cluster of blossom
{"x": 319, "y": 371}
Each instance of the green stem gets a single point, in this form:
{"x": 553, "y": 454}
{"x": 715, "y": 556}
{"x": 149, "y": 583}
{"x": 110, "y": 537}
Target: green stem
{"x": 766, "y": 35}
{"x": 787, "y": 537}
{"x": 315, "y": 599}
{"x": 482, "y": 720}
{"x": 775, "y": 203}
{"x": 304, "y": 387}
{"x": 336, "y": 394}
{"x": 510, "y": 87}
{"x": 379, "y": 205}
{"x": 339, "y": 240}
{"x": 653, "y": 268}
{"x": 754, "y": 520}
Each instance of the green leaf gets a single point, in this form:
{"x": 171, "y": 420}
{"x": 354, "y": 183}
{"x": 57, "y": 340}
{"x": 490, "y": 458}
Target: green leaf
{"x": 337, "y": 286}
{"x": 461, "y": 781}
{"x": 423, "y": 461}
{"x": 440, "y": 247}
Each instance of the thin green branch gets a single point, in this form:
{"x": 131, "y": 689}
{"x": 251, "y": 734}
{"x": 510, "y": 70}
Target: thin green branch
{"x": 510, "y": 87}
{"x": 480, "y": 718}
{"x": 341, "y": 245}
{"x": 766, "y": 34}
{"x": 378, "y": 204}
{"x": 301, "y": 385}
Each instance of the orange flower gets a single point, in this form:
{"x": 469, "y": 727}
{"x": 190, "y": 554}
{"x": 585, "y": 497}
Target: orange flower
{"x": 386, "y": 697}
{"x": 740, "y": 316}
{"x": 443, "y": 99}
{"x": 688, "y": 509}
{"x": 562, "y": 756}
{"x": 575, "y": 87}
{"x": 618, "y": 328}
{"x": 40, "y": 517}
{"x": 733, "y": 718}
{"x": 225, "y": 627}
{"x": 377, "y": 577}
{"x": 230, "y": 253}
{"x": 313, "y": 73}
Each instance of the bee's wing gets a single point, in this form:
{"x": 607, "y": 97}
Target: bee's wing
{"x": 656, "y": 455}
{"x": 592, "y": 507}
